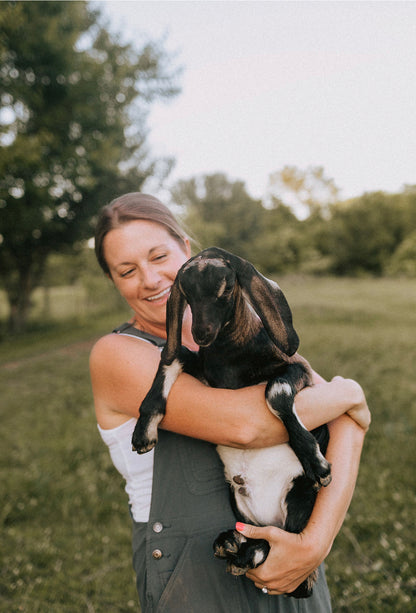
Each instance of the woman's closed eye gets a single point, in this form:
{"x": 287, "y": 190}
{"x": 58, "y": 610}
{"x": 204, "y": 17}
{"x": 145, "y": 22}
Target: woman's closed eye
{"x": 127, "y": 272}
{"x": 162, "y": 256}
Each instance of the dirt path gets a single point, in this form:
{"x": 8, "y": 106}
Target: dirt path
{"x": 70, "y": 350}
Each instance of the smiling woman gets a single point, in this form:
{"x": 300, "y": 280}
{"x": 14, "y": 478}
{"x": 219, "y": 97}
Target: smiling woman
{"x": 143, "y": 260}
{"x": 144, "y": 246}
{"x": 178, "y": 497}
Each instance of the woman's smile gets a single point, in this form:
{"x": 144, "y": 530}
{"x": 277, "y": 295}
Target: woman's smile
{"x": 164, "y": 293}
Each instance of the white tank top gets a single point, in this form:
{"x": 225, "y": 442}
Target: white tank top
{"x": 136, "y": 469}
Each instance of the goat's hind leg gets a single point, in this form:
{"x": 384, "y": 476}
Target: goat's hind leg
{"x": 300, "y": 501}
{"x": 241, "y": 553}
{"x": 280, "y": 394}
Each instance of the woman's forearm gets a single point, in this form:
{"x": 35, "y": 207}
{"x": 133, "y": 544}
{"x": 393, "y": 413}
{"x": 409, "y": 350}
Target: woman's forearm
{"x": 344, "y": 451}
{"x": 240, "y": 418}
{"x": 331, "y": 400}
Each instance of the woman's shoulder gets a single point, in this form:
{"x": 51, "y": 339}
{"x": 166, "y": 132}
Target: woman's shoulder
{"x": 112, "y": 347}
{"x": 122, "y": 369}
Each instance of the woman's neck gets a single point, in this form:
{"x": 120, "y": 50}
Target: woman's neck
{"x": 160, "y": 330}
{"x": 150, "y": 328}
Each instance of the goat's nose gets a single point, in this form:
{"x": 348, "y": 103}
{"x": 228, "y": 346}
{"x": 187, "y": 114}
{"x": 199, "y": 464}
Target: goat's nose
{"x": 204, "y": 334}
{"x": 208, "y": 329}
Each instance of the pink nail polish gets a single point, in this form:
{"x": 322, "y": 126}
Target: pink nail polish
{"x": 239, "y": 526}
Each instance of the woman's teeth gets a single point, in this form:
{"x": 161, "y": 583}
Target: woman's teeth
{"x": 160, "y": 295}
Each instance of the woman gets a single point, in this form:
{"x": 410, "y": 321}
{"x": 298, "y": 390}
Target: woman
{"x": 178, "y": 499}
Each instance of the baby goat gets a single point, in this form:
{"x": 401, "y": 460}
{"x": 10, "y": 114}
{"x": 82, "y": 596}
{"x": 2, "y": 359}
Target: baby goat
{"x": 243, "y": 326}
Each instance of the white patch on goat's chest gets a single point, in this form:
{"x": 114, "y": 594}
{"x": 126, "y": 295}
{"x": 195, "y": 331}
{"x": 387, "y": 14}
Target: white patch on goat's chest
{"x": 263, "y": 479}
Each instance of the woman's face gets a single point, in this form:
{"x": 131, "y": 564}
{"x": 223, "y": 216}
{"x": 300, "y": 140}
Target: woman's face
{"x": 143, "y": 259}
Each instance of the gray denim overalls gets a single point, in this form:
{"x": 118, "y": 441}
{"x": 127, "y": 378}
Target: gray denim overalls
{"x": 172, "y": 553}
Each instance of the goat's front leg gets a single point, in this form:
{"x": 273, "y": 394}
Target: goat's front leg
{"x": 153, "y": 407}
{"x": 152, "y": 411}
{"x": 280, "y": 394}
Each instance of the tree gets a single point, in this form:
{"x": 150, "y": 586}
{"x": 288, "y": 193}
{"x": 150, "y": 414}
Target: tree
{"x": 219, "y": 212}
{"x": 72, "y": 132}
{"x": 279, "y": 245}
{"x": 308, "y": 192}
{"x": 403, "y": 260}
{"x": 365, "y": 232}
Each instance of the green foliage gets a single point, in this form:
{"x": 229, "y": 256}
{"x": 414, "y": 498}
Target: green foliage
{"x": 403, "y": 260}
{"x": 309, "y": 192}
{"x": 73, "y": 110}
{"x": 219, "y": 212}
{"x": 354, "y": 237}
{"x": 65, "y": 524}
{"x": 365, "y": 232}
{"x": 278, "y": 246}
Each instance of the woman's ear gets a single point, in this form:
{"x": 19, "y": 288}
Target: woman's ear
{"x": 187, "y": 249}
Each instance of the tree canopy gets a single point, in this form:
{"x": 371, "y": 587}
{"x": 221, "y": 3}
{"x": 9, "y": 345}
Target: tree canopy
{"x": 219, "y": 211}
{"x": 72, "y": 131}
{"x": 373, "y": 234}
{"x": 74, "y": 101}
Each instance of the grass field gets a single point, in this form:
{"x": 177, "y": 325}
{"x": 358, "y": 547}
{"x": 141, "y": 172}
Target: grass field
{"x": 65, "y": 544}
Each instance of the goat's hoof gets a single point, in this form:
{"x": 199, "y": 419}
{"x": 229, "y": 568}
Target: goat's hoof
{"x": 324, "y": 481}
{"x": 143, "y": 445}
{"x": 228, "y": 543}
{"x": 320, "y": 473}
{"x": 237, "y": 571}
{"x": 241, "y": 554}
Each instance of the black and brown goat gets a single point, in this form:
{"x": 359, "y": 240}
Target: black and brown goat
{"x": 243, "y": 326}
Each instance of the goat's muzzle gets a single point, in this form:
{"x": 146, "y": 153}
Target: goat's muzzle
{"x": 206, "y": 335}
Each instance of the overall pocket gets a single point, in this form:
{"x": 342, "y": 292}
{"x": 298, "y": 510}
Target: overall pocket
{"x": 200, "y": 584}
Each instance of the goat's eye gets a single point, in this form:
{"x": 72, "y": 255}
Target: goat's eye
{"x": 226, "y": 293}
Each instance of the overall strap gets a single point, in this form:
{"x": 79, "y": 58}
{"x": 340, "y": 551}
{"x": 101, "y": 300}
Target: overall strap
{"x": 130, "y": 330}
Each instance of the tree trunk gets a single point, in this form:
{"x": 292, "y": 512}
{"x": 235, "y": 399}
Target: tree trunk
{"x": 19, "y": 302}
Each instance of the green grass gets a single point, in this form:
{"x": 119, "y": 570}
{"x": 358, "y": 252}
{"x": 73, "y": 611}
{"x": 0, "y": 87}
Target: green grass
{"x": 65, "y": 524}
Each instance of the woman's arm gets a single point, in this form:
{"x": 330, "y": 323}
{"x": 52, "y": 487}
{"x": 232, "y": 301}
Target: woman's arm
{"x": 240, "y": 418}
{"x": 122, "y": 371}
{"x": 293, "y": 557}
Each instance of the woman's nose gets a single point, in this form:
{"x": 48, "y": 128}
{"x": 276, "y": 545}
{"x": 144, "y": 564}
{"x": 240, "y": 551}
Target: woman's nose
{"x": 150, "y": 277}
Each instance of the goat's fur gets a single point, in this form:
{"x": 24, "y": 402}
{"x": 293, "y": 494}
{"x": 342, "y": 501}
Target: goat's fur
{"x": 243, "y": 326}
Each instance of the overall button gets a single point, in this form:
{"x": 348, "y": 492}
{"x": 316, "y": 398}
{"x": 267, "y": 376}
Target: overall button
{"x": 157, "y": 527}
{"x": 157, "y": 554}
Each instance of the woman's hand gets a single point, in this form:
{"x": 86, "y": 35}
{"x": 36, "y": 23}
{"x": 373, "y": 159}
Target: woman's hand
{"x": 351, "y": 390}
{"x": 359, "y": 412}
{"x": 292, "y": 558}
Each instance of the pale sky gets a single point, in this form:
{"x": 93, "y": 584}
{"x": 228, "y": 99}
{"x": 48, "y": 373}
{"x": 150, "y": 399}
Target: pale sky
{"x": 269, "y": 84}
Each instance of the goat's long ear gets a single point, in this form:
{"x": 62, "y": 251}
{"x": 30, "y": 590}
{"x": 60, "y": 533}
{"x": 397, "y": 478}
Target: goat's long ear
{"x": 174, "y": 314}
{"x": 269, "y": 302}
